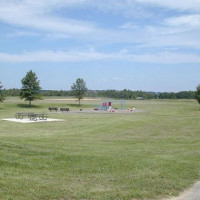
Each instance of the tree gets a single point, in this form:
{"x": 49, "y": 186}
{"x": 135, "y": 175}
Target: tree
{"x": 2, "y": 97}
{"x": 79, "y": 89}
{"x": 198, "y": 94}
{"x": 30, "y": 87}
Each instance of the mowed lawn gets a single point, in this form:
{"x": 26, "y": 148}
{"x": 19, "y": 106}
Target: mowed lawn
{"x": 147, "y": 155}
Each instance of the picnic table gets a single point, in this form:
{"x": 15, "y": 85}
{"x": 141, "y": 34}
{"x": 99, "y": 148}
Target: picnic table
{"x": 31, "y": 116}
{"x": 22, "y": 115}
{"x": 64, "y": 109}
{"x": 53, "y": 108}
{"x": 40, "y": 116}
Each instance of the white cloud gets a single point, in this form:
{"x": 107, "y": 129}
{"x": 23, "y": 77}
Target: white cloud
{"x": 123, "y": 51}
{"x": 129, "y": 25}
{"x": 191, "y": 21}
{"x": 172, "y": 32}
{"x": 52, "y": 56}
{"x": 193, "y": 5}
{"x": 19, "y": 33}
{"x": 75, "y": 56}
{"x": 176, "y": 41}
{"x": 165, "y": 58}
{"x": 38, "y": 18}
{"x": 125, "y": 8}
{"x": 37, "y": 15}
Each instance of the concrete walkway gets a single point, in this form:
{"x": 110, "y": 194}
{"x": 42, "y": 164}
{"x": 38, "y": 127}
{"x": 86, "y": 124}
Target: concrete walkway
{"x": 190, "y": 194}
{"x": 26, "y": 120}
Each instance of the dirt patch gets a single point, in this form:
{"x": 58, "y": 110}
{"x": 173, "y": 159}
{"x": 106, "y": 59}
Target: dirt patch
{"x": 74, "y": 99}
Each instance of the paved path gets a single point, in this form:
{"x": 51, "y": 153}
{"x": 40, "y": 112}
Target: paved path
{"x": 190, "y": 194}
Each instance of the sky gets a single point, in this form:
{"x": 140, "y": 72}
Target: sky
{"x": 149, "y": 45}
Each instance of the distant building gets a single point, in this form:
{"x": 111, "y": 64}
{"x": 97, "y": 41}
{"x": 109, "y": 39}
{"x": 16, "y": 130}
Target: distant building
{"x": 140, "y": 98}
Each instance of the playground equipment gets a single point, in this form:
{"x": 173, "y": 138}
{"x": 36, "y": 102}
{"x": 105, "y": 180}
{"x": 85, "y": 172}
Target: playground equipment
{"x": 109, "y": 105}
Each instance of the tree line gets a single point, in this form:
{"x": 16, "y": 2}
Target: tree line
{"x": 129, "y": 94}
{"x": 31, "y": 91}
{"x": 116, "y": 94}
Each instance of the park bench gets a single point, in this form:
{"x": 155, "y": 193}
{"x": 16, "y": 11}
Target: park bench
{"x": 64, "y": 109}
{"x": 53, "y": 108}
{"x": 31, "y": 116}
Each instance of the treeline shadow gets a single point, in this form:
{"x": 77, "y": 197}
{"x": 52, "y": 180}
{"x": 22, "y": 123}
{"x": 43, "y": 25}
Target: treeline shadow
{"x": 73, "y": 105}
{"x": 21, "y": 105}
{"x": 78, "y": 106}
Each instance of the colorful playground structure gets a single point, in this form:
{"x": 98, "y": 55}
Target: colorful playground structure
{"x": 110, "y": 105}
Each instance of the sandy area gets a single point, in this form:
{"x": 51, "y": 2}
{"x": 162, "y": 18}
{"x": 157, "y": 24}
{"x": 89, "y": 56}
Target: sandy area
{"x": 73, "y": 99}
{"x": 26, "y": 120}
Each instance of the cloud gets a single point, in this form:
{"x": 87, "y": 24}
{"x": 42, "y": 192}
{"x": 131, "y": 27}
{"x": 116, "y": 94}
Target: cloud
{"x": 19, "y": 33}
{"x": 192, "y": 5}
{"x": 37, "y": 15}
{"x": 175, "y": 32}
{"x": 52, "y": 56}
{"x": 42, "y": 18}
{"x": 191, "y": 21}
{"x": 129, "y": 25}
{"x": 125, "y": 8}
{"x": 75, "y": 56}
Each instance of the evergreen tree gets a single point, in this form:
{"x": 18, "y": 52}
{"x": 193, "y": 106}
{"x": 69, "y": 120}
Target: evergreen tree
{"x": 30, "y": 87}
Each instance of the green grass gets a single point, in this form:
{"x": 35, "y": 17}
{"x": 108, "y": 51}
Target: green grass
{"x": 146, "y": 155}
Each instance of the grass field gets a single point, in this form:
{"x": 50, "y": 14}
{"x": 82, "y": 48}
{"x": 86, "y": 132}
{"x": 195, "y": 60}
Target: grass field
{"x": 147, "y": 155}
